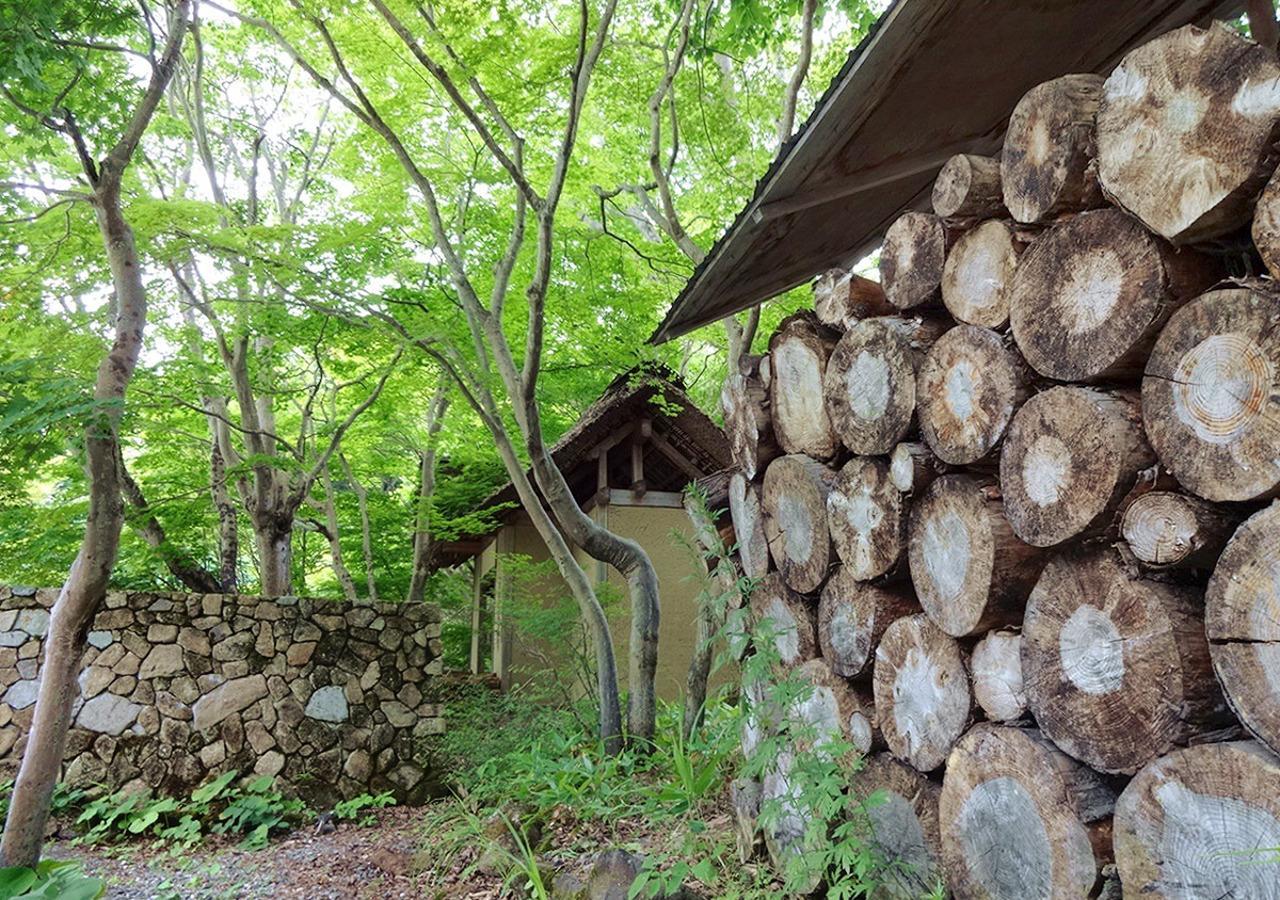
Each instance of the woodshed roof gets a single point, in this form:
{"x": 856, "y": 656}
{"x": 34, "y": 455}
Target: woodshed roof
{"x": 933, "y": 78}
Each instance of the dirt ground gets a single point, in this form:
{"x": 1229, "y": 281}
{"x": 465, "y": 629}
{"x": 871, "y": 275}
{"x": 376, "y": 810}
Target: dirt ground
{"x": 377, "y": 861}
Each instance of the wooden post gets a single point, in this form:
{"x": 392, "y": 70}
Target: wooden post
{"x": 503, "y": 635}
{"x": 477, "y": 610}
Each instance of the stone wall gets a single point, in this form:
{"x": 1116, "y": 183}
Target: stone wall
{"x": 331, "y": 696}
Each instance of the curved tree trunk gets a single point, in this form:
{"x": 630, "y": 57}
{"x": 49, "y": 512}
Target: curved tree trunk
{"x": 86, "y": 585}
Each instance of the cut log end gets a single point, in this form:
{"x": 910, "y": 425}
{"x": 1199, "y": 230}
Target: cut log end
{"x": 832, "y": 712}
{"x": 748, "y": 526}
{"x": 1069, "y": 459}
{"x": 1242, "y": 621}
{"x": 968, "y": 187}
{"x": 866, "y": 518}
{"x": 1116, "y": 669}
{"x": 913, "y": 467}
{"x": 798, "y": 352}
{"x": 969, "y": 571}
{"x": 852, "y": 617}
{"x": 921, "y": 692}
{"x": 1185, "y": 131}
{"x": 978, "y": 272}
{"x": 997, "y": 676}
{"x": 1020, "y": 819}
{"x": 1046, "y": 167}
{"x": 781, "y": 617}
{"x": 842, "y": 299}
{"x": 1164, "y": 529}
{"x": 912, "y": 258}
{"x": 794, "y": 498}
{"x": 968, "y": 388}
{"x": 899, "y": 809}
{"x": 1211, "y": 398}
{"x": 1202, "y": 822}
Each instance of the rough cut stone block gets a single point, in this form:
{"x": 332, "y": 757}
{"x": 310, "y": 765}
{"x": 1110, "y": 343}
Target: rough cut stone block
{"x": 228, "y": 698}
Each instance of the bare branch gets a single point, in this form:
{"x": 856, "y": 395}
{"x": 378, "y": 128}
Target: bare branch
{"x": 786, "y": 123}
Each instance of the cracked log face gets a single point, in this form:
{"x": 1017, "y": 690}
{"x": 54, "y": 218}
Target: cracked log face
{"x": 782, "y": 615}
{"x": 1020, "y": 819}
{"x": 969, "y": 570}
{"x": 912, "y": 258}
{"x": 833, "y": 711}
{"x": 978, "y": 272}
{"x": 1166, "y": 530}
{"x": 1202, "y": 822}
{"x": 1090, "y": 295}
{"x": 1211, "y": 396}
{"x": 921, "y": 692}
{"x": 1116, "y": 668}
{"x": 1046, "y": 167}
{"x": 996, "y": 665}
{"x": 1242, "y": 621}
{"x": 852, "y": 617}
{"x": 794, "y": 498}
{"x": 1070, "y": 458}
{"x": 866, "y": 518}
{"x": 968, "y": 388}
{"x": 798, "y": 353}
{"x": 1185, "y": 131}
{"x": 968, "y": 187}
{"x": 900, "y": 808}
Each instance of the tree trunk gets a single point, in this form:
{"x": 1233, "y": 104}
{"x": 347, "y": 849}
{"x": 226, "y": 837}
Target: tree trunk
{"x": 978, "y": 272}
{"x": 911, "y": 260}
{"x": 1202, "y": 822}
{"x": 832, "y": 711}
{"x": 866, "y": 518}
{"x": 1070, "y": 458}
{"x": 748, "y": 526}
{"x": 366, "y": 535}
{"x": 1090, "y": 296}
{"x": 1116, "y": 669}
{"x": 997, "y": 676}
{"x": 1186, "y": 131}
{"x": 748, "y": 424}
{"x": 782, "y": 622}
{"x": 1211, "y": 398}
{"x": 852, "y": 618}
{"x": 870, "y": 383}
{"x": 970, "y": 571}
{"x": 899, "y": 807}
{"x": 913, "y": 467}
{"x": 798, "y": 353}
{"x": 228, "y": 523}
{"x": 1243, "y": 628}
{"x": 921, "y": 692}
{"x": 1166, "y": 530}
{"x": 794, "y": 498}
{"x": 842, "y": 299}
{"x": 426, "y": 495}
{"x": 85, "y": 588}
{"x": 1021, "y": 819}
{"x": 1047, "y": 166}
{"x": 274, "y": 537}
{"x": 969, "y": 386}
{"x": 968, "y": 187}
{"x": 340, "y": 570}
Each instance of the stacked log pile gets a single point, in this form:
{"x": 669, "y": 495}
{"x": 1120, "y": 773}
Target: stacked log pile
{"x": 1010, "y": 507}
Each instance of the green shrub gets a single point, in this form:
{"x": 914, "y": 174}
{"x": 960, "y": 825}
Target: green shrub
{"x": 359, "y": 809}
{"x": 50, "y": 880}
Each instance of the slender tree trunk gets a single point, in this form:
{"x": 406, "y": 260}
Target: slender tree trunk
{"x": 335, "y": 545}
{"x": 366, "y": 536}
{"x": 426, "y": 493}
{"x": 86, "y": 585}
{"x": 180, "y": 564}
{"x": 228, "y": 525}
